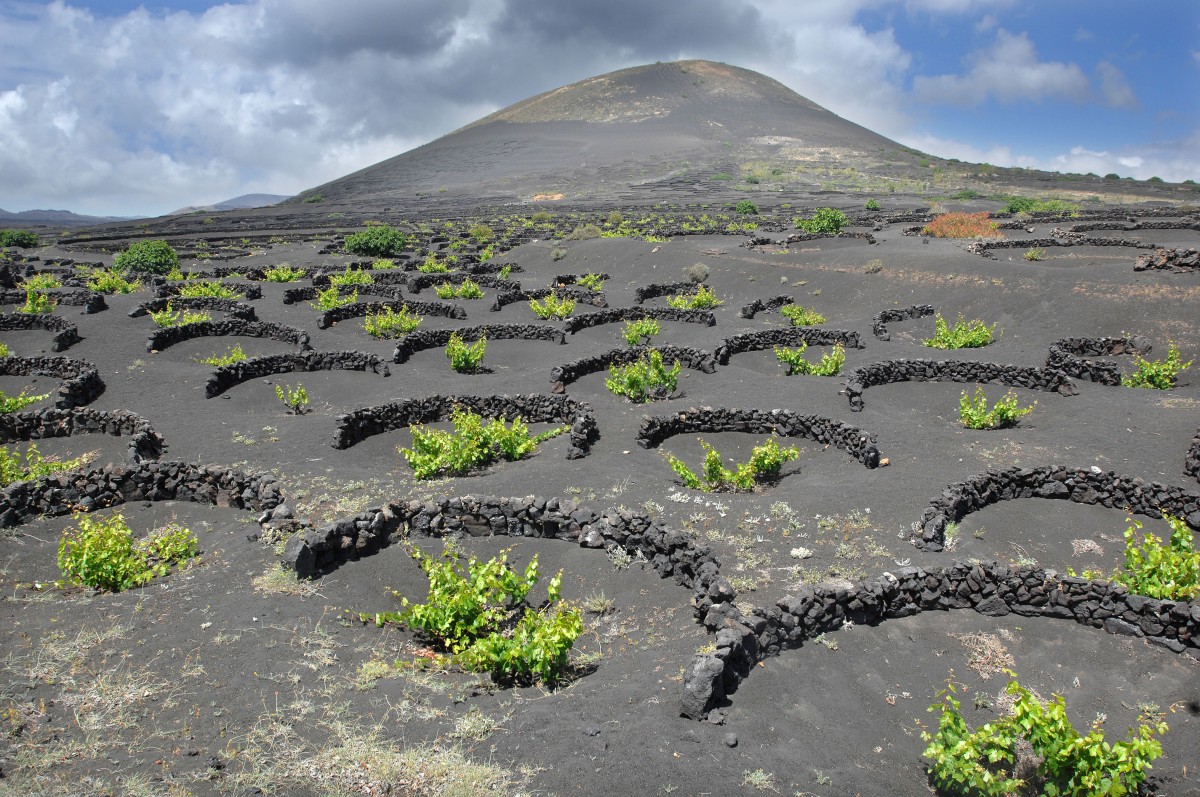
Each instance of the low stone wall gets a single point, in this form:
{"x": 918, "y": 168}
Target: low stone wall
{"x": 90, "y": 301}
{"x": 1191, "y": 462}
{"x": 232, "y": 307}
{"x": 248, "y": 290}
{"x": 420, "y": 282}
{"x": 986, "y": 247}
{"x": 581, "y": 295}
{"x": 743, "y": 639}
{"x": 492, "y": 266}
{"x": 361, "y": 309}
{"x": 228, "y": 376}
{"x": 66, "y": 334}
{"x": 356, "y": 426}
{"x": 766, "y": 305}
{"x": 785, "y": 423}
{"x": 694, "y": 359}
{"x": 1067, "y": 355}
{"x": 145, "y": 444}
{"x": 422, "y": 340}
{"x": 887, "y": 372}
{"x": 81, "y": 381}
{"x": 654, "y": 290}
{"x": 1081, "y": 485}
{"x": 1178, "y": 260}
{"x": 563, "y": 280}
{"x": 67, "y": 492}
{"x": 784, "y": 336}
{"x": 884, "y": 317}
{"x": 168, "y": 336}
{"x": 801, "y": 237}
{"x": 380, "y": 279}
{"x": 613, "y": 315}
{"x": 309, "y": 294}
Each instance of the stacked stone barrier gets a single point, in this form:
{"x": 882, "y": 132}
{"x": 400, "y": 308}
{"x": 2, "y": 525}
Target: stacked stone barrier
{"x": 890, "y": 316}
{"x": 492, "y": 267}
{"x": 647, "y": 292}
{"x": 1080, "y": 485}
{"x": 420, "y": 282}
{"x": 231, "y": 307}
{"x": 379, "y": 279}
{"x": 66, "y": 334}
{"x": 145, "y": 444}
{"x": 581, "y": 295}
{"x": 356, "y": 426}
{"x": 1191, "y": 461}
{"x": 168, "y": 336}
{"x": 90, "y": 301}
{"x": 1177, "y": 260}
{"x": 692, "y": 359}
{"x": 766, "y": 305}
{"x": 563, "y": 280}
{"x": 248, "y": 290}
{"x": 81, "y": 381}
{"x": 784, "y": 423}
{"x": 743, "y": 638}
{"x": 887, "y": 372}
{"x": 362, "y": 309}
{"x": 310, "y": 293}
{"x": 67, "y": 492}
{"x": 613, "y": 315}
{"x": 985, "y": 248}
{"x": 1069, "y": 356}
{"x": 424, "y": 339}
{"x": 784, "y": 336}
{"x": 228, "y": 376}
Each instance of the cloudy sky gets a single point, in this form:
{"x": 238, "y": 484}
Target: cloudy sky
{"x": 111, "y": 107}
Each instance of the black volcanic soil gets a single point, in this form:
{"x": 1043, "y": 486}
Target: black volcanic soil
{"x": 204, "y": 683}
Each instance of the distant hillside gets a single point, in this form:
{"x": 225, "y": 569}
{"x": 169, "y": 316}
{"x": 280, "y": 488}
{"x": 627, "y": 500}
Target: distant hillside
{"x": 54, "y": 218}
{"x": 243, "y": 202}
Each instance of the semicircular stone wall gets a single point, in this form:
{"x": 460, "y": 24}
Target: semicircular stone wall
{"x": 894, "y": 315}
{"x": 694, "y": 359}
{"x": 228, "y": 376}
{"x": 887, "y": 372}
{"x": 81, "y": 381}
{"x": 65, "y": 333}
{"x": 232, "y": 307}
{"x": 422, "y": 340}
{"x": 614, "y": 315}
{"x": 1069, "y": 356}
{"x": 165, "y": 337}
{"x": 145, "y": 444}
{"x": 784, "y": 336}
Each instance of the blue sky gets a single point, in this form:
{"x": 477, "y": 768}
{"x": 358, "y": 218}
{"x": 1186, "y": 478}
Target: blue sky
{"x": 121, "y": 108}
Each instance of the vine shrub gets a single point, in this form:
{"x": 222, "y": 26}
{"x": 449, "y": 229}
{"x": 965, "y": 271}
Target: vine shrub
{"x": 465, "y": 358}
{"x": 824, "y": 220}
{"x": 963, "y": 225}
{"x": 331, "y": 297}
{"x": 40, "y": 282}
{"x": 1157, "y": 374}
{"x": 37, "y": 303}
{"x": 295, "y": 399}
{"x": 473, "y": 444}
{"x": 593, "y": 282}
{"x": 170, "y": 317}
{"x": 378, "y": 240}
{"x": 746, "y": 208}
{"x": 765, "y": 463}
{"x": 480, "y": 614}
{"x": 283, "y": 273}
{"x": 830, "y": 364}
{"x": 1166, "y": 572}
{"x": 147, "y": 257}
{"x": 873, "y": 204}
{"x": 553, "y": 306}
{"x": 434, "y": 266}
{"x": 18, "y": 467}
{"x": 111, "y": 281}
{"x": 801, "y": 316}
{"x": 390, "y": 323}
{"x": 352, "y": 277}
{"x": 963, "y": 335}
{"x": 467, "y": 289}
{"x": 100, "y": 552}
{"x": 703, "y": 299}
{"x": 22, "y": 239}
{"x": 207, "y": 289}
{"x": 235, "y": 355}
{"x": 11, "y": 404}
{"x": 1036, "y": 737}
{"x": 646, "y": 379}
{"x": 640, "y": 331}
{"x": 974, "y": 412}
{"x": 1035, "y": 254}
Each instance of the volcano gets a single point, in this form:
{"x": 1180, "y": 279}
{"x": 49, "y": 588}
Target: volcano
{"x": 685, "y": 126}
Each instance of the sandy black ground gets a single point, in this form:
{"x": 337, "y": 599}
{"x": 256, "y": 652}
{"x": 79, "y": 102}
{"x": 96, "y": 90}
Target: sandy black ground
{"x": 215, "y": 680}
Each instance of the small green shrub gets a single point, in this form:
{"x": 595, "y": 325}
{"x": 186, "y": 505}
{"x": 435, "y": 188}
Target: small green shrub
{"x": 378, "y": 240}
{"x": 505, "y": 271}
{"x": 352, "y": 277}
{"x": 195, "y": 289}
{"x": 1026, "y": 204}
{"x": 873, "y": 204}
{"x": 22, "y": 239}
{"x": 1035, "y": 737}
{"x": 703, "y": 299}
{"x": 383, "y": 264}
{"x": 830, "y": 364}
{"x": 147, "y": 257}
{"x": 479, "y": 614}
{"x": 765, "y": 463}
{"x": 37, "y": 303}
{"x": 111, "y": 281}
{"x": 473, "y": 444}
{"x": 432, "y": 265}
{"x": 390, "y": 323}
{"x": 11, "y": 404}
{"x": 18, "y": 467}
{"x": 170, "y": 317}
{"x": 100, "y": 552}
{"x": 746, "y": 207}
{"x": 583, "y": 232}
{"x": 1170, "y": 572}
{"x": 963, "y": 335}
{"x": 553, "y": 306}
{"x": 283, "y": 273}
{"x": 467, "y": 289}
{"x": 974, "y": 412}
{"x": 1157, "y": 374}
{"x": 558, "y": 253}
{"x": 235, "y": 355}
{"x": 465, "y": 358}
{"x": 332, "y": 297}
{"x": 697, "y": 272}
{"x": 1035, "y": 254}
{"x": 593, "y": 282}
{"x": 640, "y": 331}
{"x": 824, "y": 220}
{"x": 4, "y": 350}
{"x": 646, "y": 379}
{"x": 480, "y": 232}
{"x": 40, "y": 282}
{"x": 801, "y": 316}
{"x": 295, "y": 399}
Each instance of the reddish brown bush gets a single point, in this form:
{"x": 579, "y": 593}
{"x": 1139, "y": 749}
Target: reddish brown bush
{"x": 963, "y": 225}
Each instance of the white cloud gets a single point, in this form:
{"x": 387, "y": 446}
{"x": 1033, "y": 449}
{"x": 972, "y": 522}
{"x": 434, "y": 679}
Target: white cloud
{"x": 1114, "y": 87}
{"x": 1009, "y": 71}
